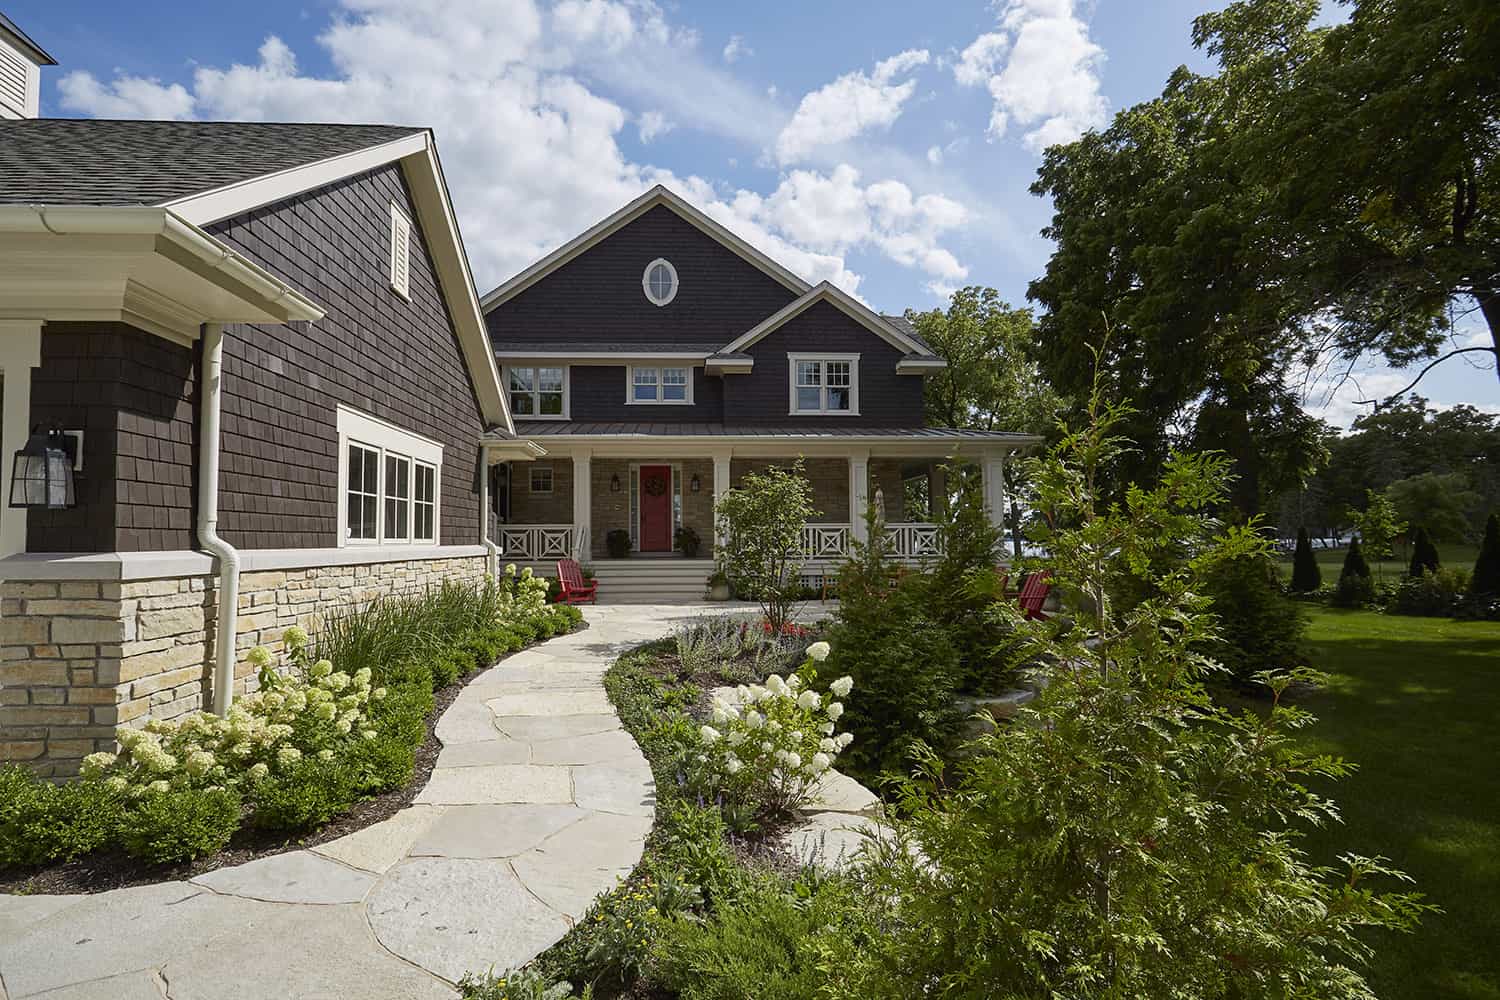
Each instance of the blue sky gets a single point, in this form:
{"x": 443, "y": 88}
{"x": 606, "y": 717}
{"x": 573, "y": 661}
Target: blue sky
{"x": 885, "y": 147}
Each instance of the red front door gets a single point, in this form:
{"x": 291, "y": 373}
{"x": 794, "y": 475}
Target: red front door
{"x": 656, "y": 508}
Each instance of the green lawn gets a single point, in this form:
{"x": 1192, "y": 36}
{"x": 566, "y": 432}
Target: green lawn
{"x": 1416, "y": 703}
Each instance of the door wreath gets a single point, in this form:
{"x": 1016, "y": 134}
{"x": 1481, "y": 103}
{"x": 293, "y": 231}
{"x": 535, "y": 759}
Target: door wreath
{"x": 655, "y": 486}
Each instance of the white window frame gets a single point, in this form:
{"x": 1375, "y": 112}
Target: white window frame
{"x": 822, "y": 411}
{"x": 400, "y": 252}
{"x": 646, "y": 282}
{"x": 385, "y": 438}
{"x": 660, "y": 371}
{"x": 417, "y": 503}
{"x": 536, "y": 394}
{"x": 551, "y": 479}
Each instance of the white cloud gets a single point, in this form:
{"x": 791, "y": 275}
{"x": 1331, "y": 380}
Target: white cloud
{"x": 852, "y": 104}
{"x": 653, "y": 124}
{"x": 531, "y": 151}
{"x": 126, "y": 97}
{"x": 1042, "y": 72}
{"x": 935, "y": 155}
{"x": 736, "y": 49}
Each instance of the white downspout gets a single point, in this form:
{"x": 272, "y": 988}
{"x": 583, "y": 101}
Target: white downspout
{"x": 208, "y": 519}
{"x": 492, "y": 551}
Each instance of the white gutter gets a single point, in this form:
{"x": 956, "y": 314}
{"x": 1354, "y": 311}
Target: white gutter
{"x": 228, "y": 594}
{"x": 131, "y": 220}
{"x": 492, "y": 551}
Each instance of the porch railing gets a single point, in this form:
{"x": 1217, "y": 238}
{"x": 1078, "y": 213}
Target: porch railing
{"x": 908, "y": 541}
{"x": 913, "y": 540}
{"x": 541, "y": 542}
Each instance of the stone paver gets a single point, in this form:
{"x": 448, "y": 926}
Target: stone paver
{"x": 496, "y": 783}
{"x": 293, "y": 877}
{"x": 376, "y": 848}
{"x": 492, "y": 831}
{"x": 830, "y": 840}
{"x": 456, "y": 915}
{"x": 539, "y": 803}
{"x": 840, "y": 793}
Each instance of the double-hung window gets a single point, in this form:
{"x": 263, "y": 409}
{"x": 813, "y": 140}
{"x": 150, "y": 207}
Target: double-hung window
{"x": 390, "y": 482}
{"x": 651, "y": 384}
{"x": 824, "y": 384}
{"x": 538, "y": 391}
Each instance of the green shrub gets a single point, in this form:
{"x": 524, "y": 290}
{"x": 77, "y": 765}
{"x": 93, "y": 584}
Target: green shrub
{"x": 180, "y": 824}
{"x": 617, "y": 543}
{"x": 1486, "y": 578}
{"x": 691, "y": 843}
{"x": 1431, "y": 594}
{"x": 1307, "y": 576}
{"x": 42, "y": 822}
{"x": 1260, "y": 628}
{"x": 772, "y": 943}
{"x": 516, "y": 984}
{"x": 1424, "y": 555}
{"x": 1355, "y": 588}
{"x": 307, "y": 793}
{"x": 905, "y": 672}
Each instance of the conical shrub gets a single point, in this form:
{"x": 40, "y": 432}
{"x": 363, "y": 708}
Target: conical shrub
{"x": 1306, "y": 576}
{"x": 1354, "y": 561}
{"x": 1355, "y": 588}
{"x": 1487, "y": 567}
{"x": 1424, "y": 555}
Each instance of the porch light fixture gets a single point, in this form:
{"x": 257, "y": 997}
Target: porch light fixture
{"x": 614, "y": 483}
{"x": 42, "y": 473}
{"x": 695, "y": 484}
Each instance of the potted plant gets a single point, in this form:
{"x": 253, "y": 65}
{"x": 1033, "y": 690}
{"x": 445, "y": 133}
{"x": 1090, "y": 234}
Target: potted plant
{"x": 718, "y": 585}
{"x": 687, "y": 541}
{"x": 618, "y": 543}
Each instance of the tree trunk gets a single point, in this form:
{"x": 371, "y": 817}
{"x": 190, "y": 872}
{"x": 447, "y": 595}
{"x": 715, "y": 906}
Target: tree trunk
{"x": 1489, "y": 306}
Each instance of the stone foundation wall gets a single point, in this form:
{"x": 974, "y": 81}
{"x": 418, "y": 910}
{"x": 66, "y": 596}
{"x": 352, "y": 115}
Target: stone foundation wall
{"x": 80, "y": 658}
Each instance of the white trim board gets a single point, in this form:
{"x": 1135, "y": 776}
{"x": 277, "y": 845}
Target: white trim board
{"x": 600, "y": 231}
{"x": 845, "y": 303}
{"x": 186, "y": 562}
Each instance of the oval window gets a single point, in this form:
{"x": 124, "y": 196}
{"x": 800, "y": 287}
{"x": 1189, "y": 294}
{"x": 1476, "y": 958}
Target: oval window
{"x": 660, "y": 281}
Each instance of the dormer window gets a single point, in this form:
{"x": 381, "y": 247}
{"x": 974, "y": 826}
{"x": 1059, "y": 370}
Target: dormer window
{"x": 824, "y": 384}
{"x": 660, "y": 281}
{"x": 400, "y": 252}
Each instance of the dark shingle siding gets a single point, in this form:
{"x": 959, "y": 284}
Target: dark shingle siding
{"x": 373, "y": 351}
{"x": 596, "y": 298}
{"x": 598, "y": 393}
{"x": 74, "y": 161}
{"x": 885, "y": 398}
{"x": 133, "y": 395}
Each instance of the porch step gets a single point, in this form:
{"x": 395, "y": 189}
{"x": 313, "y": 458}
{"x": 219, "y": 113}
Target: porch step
{"x": 652, "y": 581}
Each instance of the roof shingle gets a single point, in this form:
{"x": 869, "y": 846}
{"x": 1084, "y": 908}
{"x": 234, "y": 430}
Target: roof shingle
{"x": 87, "y": 161}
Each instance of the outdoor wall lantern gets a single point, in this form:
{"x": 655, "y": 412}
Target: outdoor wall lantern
{"x": 695, "y": 484}
{"x": 42, "y": 474}
{"x": 614, "y": 483}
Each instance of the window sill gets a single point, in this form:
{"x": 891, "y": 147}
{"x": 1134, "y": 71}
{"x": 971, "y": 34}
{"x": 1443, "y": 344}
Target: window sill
{"x": 658, "y": 402}
{"x": 823, "y": 413}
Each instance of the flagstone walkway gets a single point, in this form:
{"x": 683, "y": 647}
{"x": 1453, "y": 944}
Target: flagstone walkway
{"x": 539, "y": 801}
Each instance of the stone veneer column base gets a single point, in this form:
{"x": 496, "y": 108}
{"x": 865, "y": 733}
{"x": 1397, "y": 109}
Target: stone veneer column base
{"x": 79, "y": 658}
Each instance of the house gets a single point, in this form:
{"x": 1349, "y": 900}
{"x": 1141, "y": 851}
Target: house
{"x": 255, "y": 361}
{"x": 658, "y": 357}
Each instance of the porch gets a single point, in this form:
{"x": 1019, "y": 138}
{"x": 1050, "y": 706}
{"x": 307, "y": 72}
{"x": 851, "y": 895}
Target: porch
{"x": 660, "y": 495}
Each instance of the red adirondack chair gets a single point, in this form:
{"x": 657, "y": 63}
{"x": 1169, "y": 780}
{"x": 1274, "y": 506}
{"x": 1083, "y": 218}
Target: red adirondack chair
{"x": 575, "y": 589}
{"x": 1034, "y": 594}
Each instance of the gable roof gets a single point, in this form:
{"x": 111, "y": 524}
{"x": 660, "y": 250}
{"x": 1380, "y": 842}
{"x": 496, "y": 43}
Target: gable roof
{"x": 659, "y": 195}
{"x": 10, "y": 30}
{"x": 201, "y": 172}
{"x": 79, "y": 161}
{"x": 844, "y": 302}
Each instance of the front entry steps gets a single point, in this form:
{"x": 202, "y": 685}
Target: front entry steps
{"x": 644, "y": 580}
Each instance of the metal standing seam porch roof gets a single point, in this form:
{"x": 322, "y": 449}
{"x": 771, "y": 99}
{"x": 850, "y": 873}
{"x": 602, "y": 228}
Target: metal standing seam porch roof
{"x": 560, "y": 429}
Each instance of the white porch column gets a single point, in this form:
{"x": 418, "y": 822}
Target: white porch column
{"x": 722, "y": 484}
{"x": 859, "y": 493}
{"x": 993, "y": 475}
{"x": 583, "y": 504}
{"x": 20, "y": 352}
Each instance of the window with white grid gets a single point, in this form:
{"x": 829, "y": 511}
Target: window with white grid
{"x": 824, "y": 384}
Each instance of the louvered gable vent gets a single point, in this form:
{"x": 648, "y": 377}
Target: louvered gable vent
{"x": 400, "y": 251}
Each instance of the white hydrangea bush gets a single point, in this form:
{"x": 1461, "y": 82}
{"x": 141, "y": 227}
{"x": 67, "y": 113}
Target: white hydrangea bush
{"x": 315, "y": 710}
{"x": 524, "y": 594}
{"x": 772, "y": 743}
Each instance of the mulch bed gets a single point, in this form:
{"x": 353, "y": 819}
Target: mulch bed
{"x": 114, "y": 869}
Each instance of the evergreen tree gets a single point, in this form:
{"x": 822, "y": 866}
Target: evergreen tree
{"x": 1306, "y": 576}
{"x": 1424, "y": 555}
{"x": 1354, "y": 562}
{"x": 1487, "y": 566}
